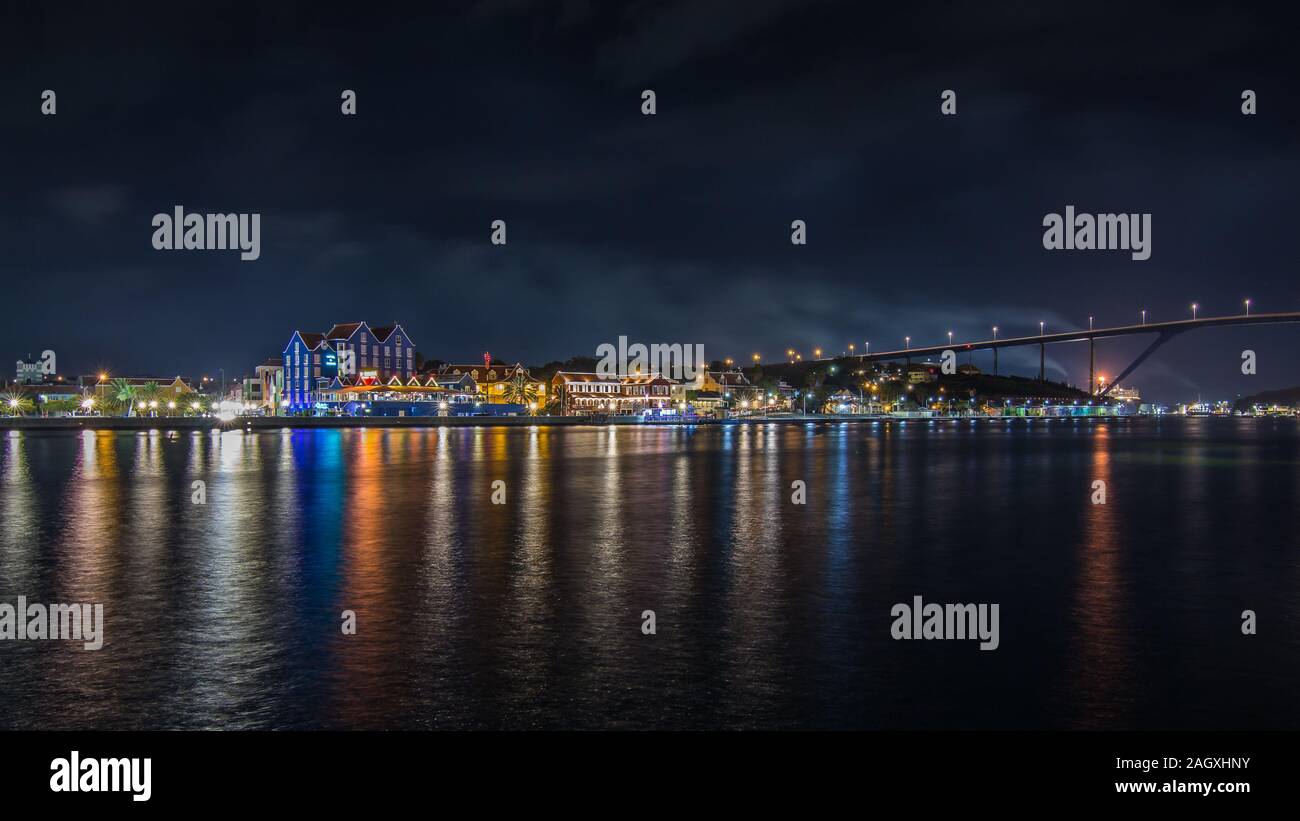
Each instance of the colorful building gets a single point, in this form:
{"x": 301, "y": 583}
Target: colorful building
{"x": 580, "y": 394}
{"x": 350, "y": 351}
{"x": 380, "y": 353}
{"x": 270, "y": 375}
{"x": 493, "y": 381}
{"x": 310, "y": 363}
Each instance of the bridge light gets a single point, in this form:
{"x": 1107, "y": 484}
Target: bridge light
{"x": 1144, "y": 316}
{"x": 1248, "y": 307}
{"x": 1194, "y": 307}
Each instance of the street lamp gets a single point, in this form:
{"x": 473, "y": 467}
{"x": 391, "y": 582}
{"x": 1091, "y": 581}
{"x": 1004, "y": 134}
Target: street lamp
{"x": 1041, "y": 326}
{"x": 995, "y": 333}
{"x": 1248, "y": 307}
{"x": 950, "y": 337}
{"x": 907, "y": 343}
{"x": 1194, "y": 307}
{"x": 1144, "y": 316}
{"x": 1090, "y": 323}
{"x": 817, "y": 352}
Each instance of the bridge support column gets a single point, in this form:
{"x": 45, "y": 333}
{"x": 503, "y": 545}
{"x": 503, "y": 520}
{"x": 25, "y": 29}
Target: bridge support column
{"x": 1092, "y": 361}
{"x": 1163, "y": 337}
{"x": 995, "y": 361}
{"x": 1042, "y": 359}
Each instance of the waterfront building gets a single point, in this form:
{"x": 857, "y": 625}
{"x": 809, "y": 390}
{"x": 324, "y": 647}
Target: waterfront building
{"x": 310, "y": 363}
{"x": 250, "y": 391}
{"x": 417, "y": 396}
{"x": 921, "y": 372}
{"x": 376, "y": 352}
{"x": 459, "y": 382}
{"x": 171, "y": 388}
{"x": 732, "y": 386}
{"x": 849, "y": 402}
{"x": 30, "y": 371}
{"x": 587, "y": 393}
{"x": 270, "y": 375}
{"x": 492, "y": 380}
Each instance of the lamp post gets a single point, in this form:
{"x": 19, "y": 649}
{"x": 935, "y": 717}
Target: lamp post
{"x": 1194, "y": 307}
{"x": 1144, "y": 316}
{"x": 1248, "y": 307}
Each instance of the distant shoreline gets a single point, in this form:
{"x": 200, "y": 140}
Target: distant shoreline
{"x": 334, "y": 422}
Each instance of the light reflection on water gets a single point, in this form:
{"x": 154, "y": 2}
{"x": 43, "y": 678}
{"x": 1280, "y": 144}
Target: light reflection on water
{"x": 769, "y": 614}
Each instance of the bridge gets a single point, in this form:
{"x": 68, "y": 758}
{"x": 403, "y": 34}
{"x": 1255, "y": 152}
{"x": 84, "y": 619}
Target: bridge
{"x": 1164, "y": 332}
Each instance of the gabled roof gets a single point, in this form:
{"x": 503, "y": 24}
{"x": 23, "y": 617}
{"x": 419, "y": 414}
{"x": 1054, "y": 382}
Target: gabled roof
{"x": 580, "y": 376}
{"x": 729, "y": 377}
{"x": 312, "y": 341}
{"x": 277, "y": 362}
{"x": 343, "y": 330}
{"x": 449, "y": 377}
{"x": 649, "y": 379}
{"x": 382, "y": 334}
{"x": 503, "y": 371}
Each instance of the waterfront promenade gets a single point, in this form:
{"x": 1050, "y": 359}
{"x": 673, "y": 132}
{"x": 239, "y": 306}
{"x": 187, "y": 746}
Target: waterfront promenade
{"x": 137, "y": 423}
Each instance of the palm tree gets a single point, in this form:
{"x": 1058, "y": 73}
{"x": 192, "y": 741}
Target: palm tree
{"x": 520, "y": 390}
{"x": 150, "y": 396}
{"x": 16, "y": 403}
{"x": 123, "y": 391}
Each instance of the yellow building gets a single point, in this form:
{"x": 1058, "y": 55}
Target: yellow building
{"x": 492, "y": 381}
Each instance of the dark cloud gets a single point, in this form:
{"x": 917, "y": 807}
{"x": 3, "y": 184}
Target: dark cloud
{"x": 668, "y": 228}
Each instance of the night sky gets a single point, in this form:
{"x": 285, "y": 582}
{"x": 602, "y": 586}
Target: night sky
{"x": 666, "y": 228}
